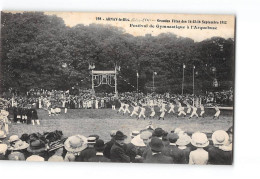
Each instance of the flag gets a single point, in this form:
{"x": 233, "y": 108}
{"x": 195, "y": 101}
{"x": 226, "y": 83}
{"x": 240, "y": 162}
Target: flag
{"x": 155, "y": 73}
{"x": 137, "y": 74}
{"x": 184, "y": 65}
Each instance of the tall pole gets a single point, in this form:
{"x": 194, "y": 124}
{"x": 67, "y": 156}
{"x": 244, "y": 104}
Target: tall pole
{"x": 115, "y": 81}
{"x": 92, "y": 82}
{"x": 193, "y": 85}
{"x": 137, "y": 76}
{"x": 182, "y": 79}
{"x": 153, "y": 81}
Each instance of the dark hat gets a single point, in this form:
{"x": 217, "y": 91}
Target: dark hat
{"x": 120, "y": 136}
{"x": 36, "y": 146}
{"x": 158, "y": 132}
{"x": 99, "y": 145}
{"x": 230, "y": 130}
{"x": 24, "y": 137}
{"x": 172, "y": 137}
{"x": 156, "y": 144}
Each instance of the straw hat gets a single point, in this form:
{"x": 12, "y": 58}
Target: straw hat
{"x": 13, "y": 138}
{"x": 146, "y": 135}
{"x": 177, "y": 130}
{"x": 138, "y": 142}
{"x": 134, "y": 133}
{"x": 35, "y": 158}
{"x": 199, "y": 139}
{"x": 91, "y": 140}
{"x": 183, "y": 140}
{"x": 76, "y": 143}
{"x": 19, "y": 145}
{"x": 220, "y": 137}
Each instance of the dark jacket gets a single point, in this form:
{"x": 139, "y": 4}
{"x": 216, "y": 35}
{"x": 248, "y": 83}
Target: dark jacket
{"x": 219, "y": 157}
{"x": 99, "y": 158}
{"x": 108, "y": 147}
{"x": 34, "y": 114}
{"x": 86, "y": 154}
{"x": 158, "y": 158}
{"x": 118, "y": 154}
{"x": 176, "y": 154}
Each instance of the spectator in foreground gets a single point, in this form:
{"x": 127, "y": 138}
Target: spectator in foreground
{"x": 57, "y": 147}
{"x": 199, "y": 156}
{"x": 118, "y": 153}
{"x": 184, "y": 151}
{"x": 109, "y": 144}
{"x": 218, "y": 156}
{"x": 157, "y": 146}
{"x": 74, "y": 145}
{"x": 37, "y": 149}
{"x": 3, "y": 149}
{"x": 99, "y": 157}
{"x": 16, "y": 149}
{"x": 88, "y": 152}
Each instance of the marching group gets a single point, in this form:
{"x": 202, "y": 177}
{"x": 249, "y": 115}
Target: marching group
{"x": 163, "y": 109}
{"x": 150, "y": 145}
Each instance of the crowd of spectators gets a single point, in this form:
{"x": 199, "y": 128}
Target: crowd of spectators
{"x": 86, "y": 99}
{"x": 150, "y": 145}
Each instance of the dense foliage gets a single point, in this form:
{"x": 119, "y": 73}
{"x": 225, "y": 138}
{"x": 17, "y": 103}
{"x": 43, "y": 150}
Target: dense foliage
{"x": 40, "y": 51}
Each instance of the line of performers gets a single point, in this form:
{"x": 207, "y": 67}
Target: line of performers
{"x": 191, "y": 109}
{"x": 27, "y": 115}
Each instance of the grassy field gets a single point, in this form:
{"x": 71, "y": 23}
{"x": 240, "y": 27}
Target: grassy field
{"x": 102, "y": 121}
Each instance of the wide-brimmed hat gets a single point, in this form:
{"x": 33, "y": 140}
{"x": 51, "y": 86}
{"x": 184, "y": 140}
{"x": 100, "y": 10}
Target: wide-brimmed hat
{"x": 138, "y": 142}
{"x": 19, "y": 145}
{"x": 220, "y": 137}
{"x": 2, "y": 134}
{"x": 35, "y": 158}
{"x": 76, "y": 143}
{"x": 13, "y": 138}
{"x": 99, "y": 145}
{"x": 183, "y": 140}
{"x": 146, "y": 135}
{"x": 134, "y": 133}
{"x": 156, "y": 144}
{"x": 120, "y": 136}
{"x": 177, "y": 130}
{"x": 36, "y": 146}
{"x": 199, "y": 139}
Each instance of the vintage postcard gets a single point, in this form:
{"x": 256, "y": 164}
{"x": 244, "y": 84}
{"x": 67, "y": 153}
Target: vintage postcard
{"x": 117, "y": 87}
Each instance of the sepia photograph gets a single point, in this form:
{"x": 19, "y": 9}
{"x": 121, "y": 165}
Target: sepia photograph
{"x": 117, "y": 87}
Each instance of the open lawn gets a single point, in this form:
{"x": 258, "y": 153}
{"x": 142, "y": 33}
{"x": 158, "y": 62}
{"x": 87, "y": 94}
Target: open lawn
{"x": 102, "y": 121}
